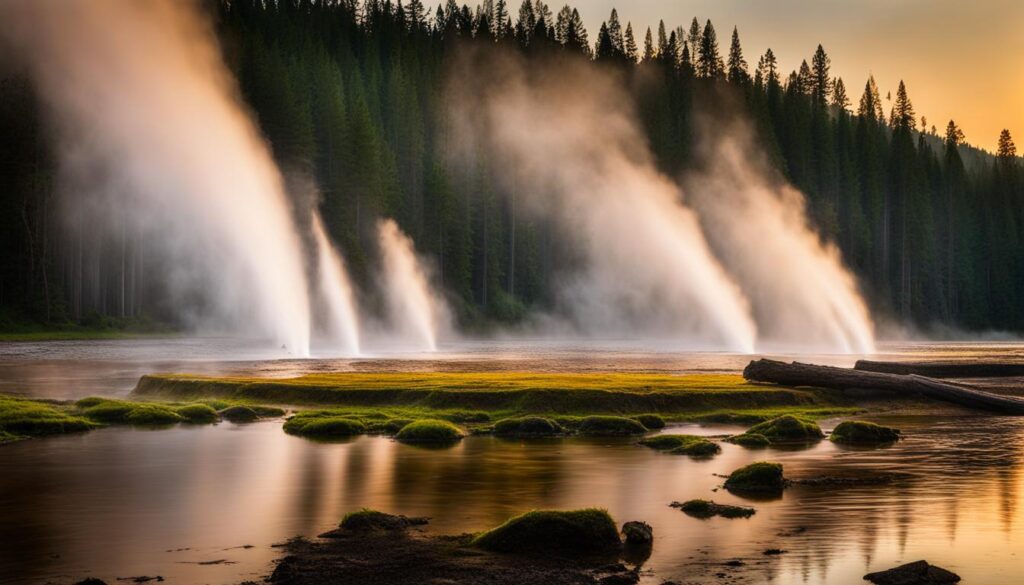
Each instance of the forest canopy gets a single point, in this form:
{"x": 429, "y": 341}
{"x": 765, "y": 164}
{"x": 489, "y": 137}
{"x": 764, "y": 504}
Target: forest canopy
{"x": 353, "y": 95}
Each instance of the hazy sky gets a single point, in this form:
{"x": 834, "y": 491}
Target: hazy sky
{"x": 960, "y": 59}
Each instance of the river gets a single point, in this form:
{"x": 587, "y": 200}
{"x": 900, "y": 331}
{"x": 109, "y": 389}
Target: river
{"x": 206, "y": 504}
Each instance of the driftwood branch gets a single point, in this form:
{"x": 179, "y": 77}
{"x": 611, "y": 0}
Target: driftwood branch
{"x": 797, "y": 374}
{"x": 944, "y": 369}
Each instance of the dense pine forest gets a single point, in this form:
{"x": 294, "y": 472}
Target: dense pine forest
{"x": 352, "y": 94}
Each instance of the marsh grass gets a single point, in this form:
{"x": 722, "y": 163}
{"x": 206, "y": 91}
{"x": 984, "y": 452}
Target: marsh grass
{"x": 20, "y": 417}
{"x": 787, "y": 428}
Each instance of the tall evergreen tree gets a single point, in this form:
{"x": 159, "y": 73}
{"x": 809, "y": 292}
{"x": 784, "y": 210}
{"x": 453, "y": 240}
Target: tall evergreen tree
{"x": 737, "y": 72}
{"x": 709, "y": 62}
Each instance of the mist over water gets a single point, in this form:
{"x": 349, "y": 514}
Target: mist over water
{"x": 729, "y": 262}
{"x": 151, "y": 134}
{"x": 416, "y": 314}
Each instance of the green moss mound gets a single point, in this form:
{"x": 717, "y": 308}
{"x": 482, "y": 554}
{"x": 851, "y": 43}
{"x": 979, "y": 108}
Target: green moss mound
{"x": 545, "y": 531}
{"x": 387, "y": 427}
{"x": 90, "y": 401}
{"x": 239, "y": 414}
{"x": 32, "y": 418}
{"x": 610, "y": 426}
{"x": 367, "y": 520}
{"x": 109, "y": 411}
{"x": 858, "y": 432}
{"x": 528, "y": 426}
{"x": 151, "y": 414}
{"x": 199, "y": 414}
{"x": 787, "y": 428}
{"x": 430, "y": 431}
{"x": 682, "y": 445}
{"x": 706, "y": 509}
{"x": 750, "y": 440}
{"x": 757, "y": 477}
{"x": 653, "y": 422}
{"x": 335, "y": 426}
{"x": 461, "y": 416}
{"x": 214, "y": 403}
{"x": 266, "y": 411}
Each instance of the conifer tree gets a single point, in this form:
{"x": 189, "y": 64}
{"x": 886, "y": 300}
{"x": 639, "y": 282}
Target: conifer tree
{"x": 615, "y": 34}
{"x": 709, "y": 62}
{"x": 694, "y": 38}
{"x": 902, "y": 115}
{"x": 632, "y": 53}
{"x": 737, "y": 64}
{"x": 648, "y": 47}
{"x": 839, "y": 97}
{"x": 821, "y": 79}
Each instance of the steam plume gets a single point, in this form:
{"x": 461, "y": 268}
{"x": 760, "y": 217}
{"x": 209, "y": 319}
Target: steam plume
{"x": 336, "y": 290}
{"x": 415, "y": 312}
{"x": 568, "y": 141}
{"x": 801, "y": 294}
{"x": 140, "y": 93}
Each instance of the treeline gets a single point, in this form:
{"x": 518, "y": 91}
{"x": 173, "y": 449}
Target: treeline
{"x": 352, "y": 94}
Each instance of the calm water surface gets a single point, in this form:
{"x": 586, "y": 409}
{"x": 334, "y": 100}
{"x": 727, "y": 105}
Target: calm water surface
{"x": 122, "y": 502}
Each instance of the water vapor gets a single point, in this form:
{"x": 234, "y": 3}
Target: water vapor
{"x": 151, "y": 133}
{"x": 729, "y": 262}
{"x": 801, "y": 295}
{"x": 415, "y": 312}
{"x": 338, "y": 298}
{"x": 569, "y": 145}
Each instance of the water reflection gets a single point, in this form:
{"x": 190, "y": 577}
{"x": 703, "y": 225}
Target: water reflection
{"x": 114, "y": 502}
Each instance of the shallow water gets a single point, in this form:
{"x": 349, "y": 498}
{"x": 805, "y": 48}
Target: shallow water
{"x": 121, "y": 502}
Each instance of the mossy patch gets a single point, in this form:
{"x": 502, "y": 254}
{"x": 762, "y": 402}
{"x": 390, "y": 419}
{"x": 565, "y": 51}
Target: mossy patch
{"x": 749, "y": 440}
{"x": 152, "y": 414}
{"x": 239, "y": 414}
{"x": 858, "y": 432}
{"x": 527, "y": 426}
{"x": 431, "y": 432}
{"x": 682, "y": 445}
{"x": 610, "y": 426}
{"x": 762, "y": 477}
{"x": 197, "y": 413}
{"x": 707, "y": 509}
{"x": 546, "y": 531}
{"x": 787, "y": 428}
{"x": 327, "y": 427}
{"x": 653, "y": 422}
{"x": 21, "y": 417}
{"x": 109, "y": 411}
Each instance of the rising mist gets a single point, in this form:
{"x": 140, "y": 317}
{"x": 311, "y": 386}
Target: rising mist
{"x": 728, "y": 263}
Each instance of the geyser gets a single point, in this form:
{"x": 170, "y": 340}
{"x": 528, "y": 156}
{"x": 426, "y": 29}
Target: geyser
{"x": 572, "y": 150}
{"x": 415, "y": 312}
{"x": 728, "y": 263}
{"x": 802, "y": 296}
{"x": 335, "y": 289}
{"x": 151, "y": 132}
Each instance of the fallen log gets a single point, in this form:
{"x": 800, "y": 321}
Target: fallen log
{"x": 944, "y": 369}
{"x": 798, "y": 374}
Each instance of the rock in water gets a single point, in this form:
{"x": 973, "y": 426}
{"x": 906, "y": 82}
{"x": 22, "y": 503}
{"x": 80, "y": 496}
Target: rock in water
{"x": 916, "y": 573}
{"x": 638, "y": 532}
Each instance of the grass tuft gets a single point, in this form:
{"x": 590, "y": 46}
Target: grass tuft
{"x": 682, "y": 445}
{"x": 21, "y": 417}
{"x": 328, "y": 427}
{"x": 239, "y": 414}
{"x": 749, "y": 440}
{"x": 546, "y": 531}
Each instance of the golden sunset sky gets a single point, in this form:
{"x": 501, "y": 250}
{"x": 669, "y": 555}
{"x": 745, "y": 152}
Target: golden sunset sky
{"x": 960, "y": 59}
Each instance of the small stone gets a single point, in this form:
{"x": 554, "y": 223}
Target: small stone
{"x": 638, "y": 532}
